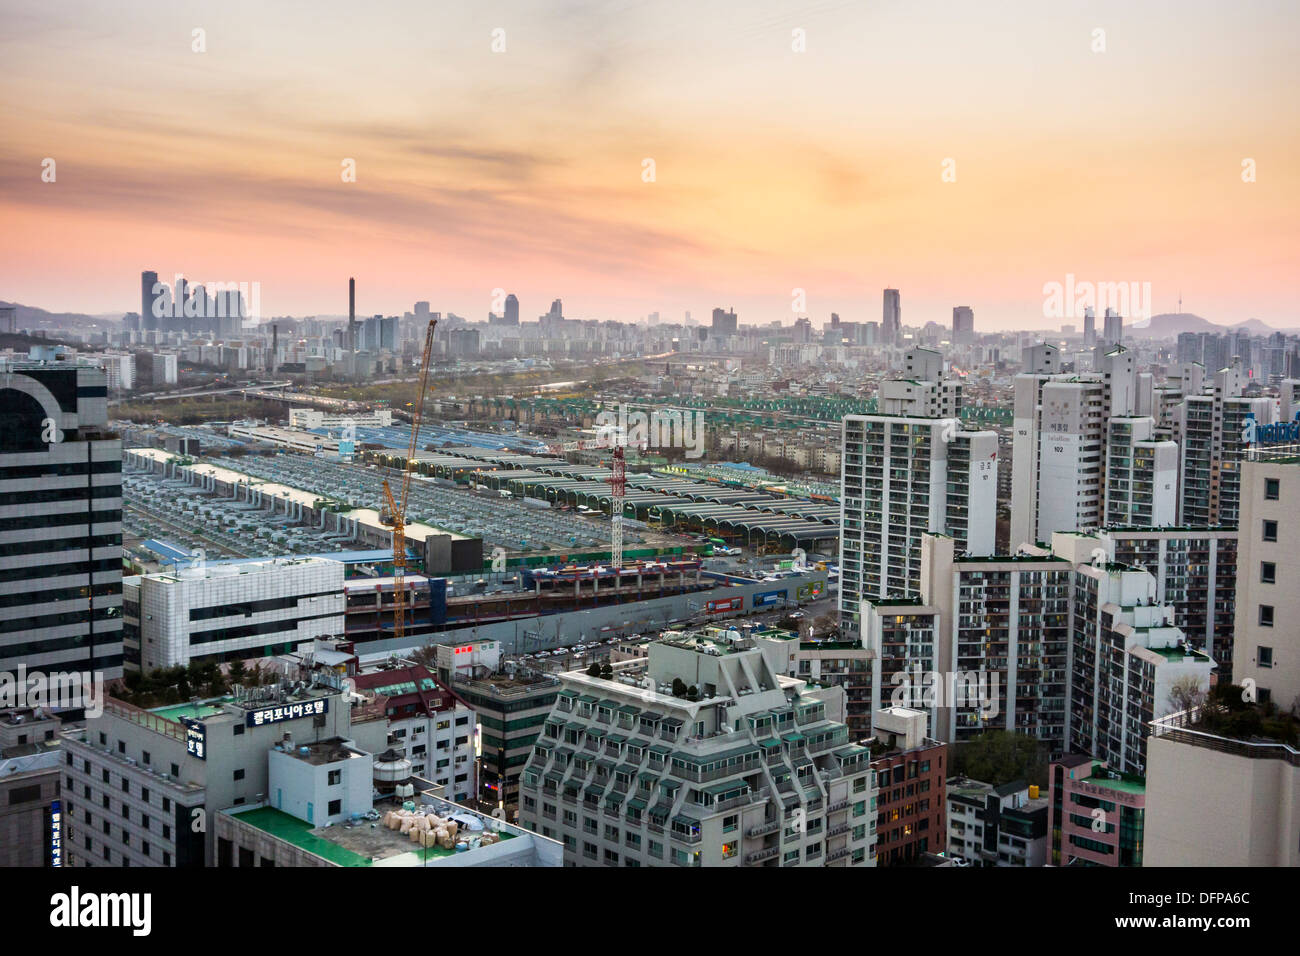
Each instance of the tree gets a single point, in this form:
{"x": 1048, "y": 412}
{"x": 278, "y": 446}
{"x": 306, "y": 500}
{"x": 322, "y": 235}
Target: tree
{"x": 998, "y": 757}
{"x": 1186, "y": 693}
{"x": 606, "y": 670}
{"x": 679, "y": 687}
{"x": 237, "y": 672}
{"x": 593, "y": 670}
{"x": 426, "y": 656}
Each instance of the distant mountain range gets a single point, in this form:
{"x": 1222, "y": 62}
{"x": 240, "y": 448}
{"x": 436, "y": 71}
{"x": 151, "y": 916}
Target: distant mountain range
{"x": 30, "y": 317}
{"x": 1169, "y": 325}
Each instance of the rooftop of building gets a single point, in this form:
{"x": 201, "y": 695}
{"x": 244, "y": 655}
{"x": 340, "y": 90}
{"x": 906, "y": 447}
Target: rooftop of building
{"x": 367, "y": 841}
{"x": 322, "y": 752}
{"x": 1116, "y": 780}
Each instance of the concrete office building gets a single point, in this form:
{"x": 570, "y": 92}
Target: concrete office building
{"x": 511, "y": 708}
{"x": 750, "y": 770}
{"x": 891, "y": 322}
{"x": 1267, "y": 648}
{"x": 227, "y": 612}
{"x": 963, "y": 325}
{"x": 137, "y": 781}
{"x": 60, "y": 520}
{"x": 901, "y": 478}
{"x": 1096, "y": 815}
{"x": 1214, "y": 799}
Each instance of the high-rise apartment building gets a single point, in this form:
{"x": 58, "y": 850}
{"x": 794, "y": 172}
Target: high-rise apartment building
{"x": 1196, "y": 575}
{"x": 1112, "y": 329}
{"x": 1126, "y": 656}
{"x": 1267, "y": 648}
{"x": 1210, "y": 429}
{"x": 903, "y": 476}
{"x": 1059, "y": 446}
{"x": 60, "y": 520}
{"x": 1141, "y": 475}
{"x": 699, "y": 754}
{"x": 1005, "y": 631}
{"x": 1089, "y": 328}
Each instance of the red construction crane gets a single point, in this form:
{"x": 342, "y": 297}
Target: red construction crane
{"x": 618, "y": 488}
{"x": 397, "y": 509}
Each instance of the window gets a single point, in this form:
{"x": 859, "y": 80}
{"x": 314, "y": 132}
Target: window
{"x": 146, "y": 757}
{"x": 1265, "y": 656}
{"x": 1266, "y": 615}
{"x": 238, "y": 729}
{"x": 1272, "y": 489}
{"x": 239, "y": 774}
{"x": 1270, "y": 530}
{"x": 336, "y": 777}
{"x": 1267, "y": 572}
{"x": 335, "y": 807}
{"x": 176, "y": 772}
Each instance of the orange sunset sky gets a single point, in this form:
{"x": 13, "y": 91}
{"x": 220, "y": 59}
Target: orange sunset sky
{"x": 774, "y": 169}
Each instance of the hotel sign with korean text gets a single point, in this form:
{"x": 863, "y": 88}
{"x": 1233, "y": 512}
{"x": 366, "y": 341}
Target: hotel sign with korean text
{"x": 56, "y": 833}
{"x": 294, "y": 711}
{"x": 196, "y": 738}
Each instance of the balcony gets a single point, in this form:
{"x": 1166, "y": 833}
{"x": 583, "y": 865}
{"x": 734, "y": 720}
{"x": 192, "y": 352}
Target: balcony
{"x": 759, "y": 856}
{"x": 763, "y": 828}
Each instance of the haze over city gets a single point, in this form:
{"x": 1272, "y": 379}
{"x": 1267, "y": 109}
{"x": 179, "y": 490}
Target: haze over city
{"x": 517, "y": 160}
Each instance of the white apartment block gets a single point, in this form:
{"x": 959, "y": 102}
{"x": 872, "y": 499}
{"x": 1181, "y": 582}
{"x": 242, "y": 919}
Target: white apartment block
{"x": 1141, "y": 475}
{"x": 228, "y": 612}
{"x": 1059, "y": 444}
{"x": 1196, "y": 575}
{"x": 1058, "y": 456}
{"x": 1126, "y": 655}
{"x": 1267, "y": 648}
{"x": 746, "y": 769}
{"x": 903, "y": 477}
{"x": 1004, "y": 627}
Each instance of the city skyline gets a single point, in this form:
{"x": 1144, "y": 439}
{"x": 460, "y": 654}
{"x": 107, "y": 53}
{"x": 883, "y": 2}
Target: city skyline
{"x": 962, "y": 156}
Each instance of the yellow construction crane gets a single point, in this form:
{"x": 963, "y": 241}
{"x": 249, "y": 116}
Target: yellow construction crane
{"x": 397, "y": 509}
